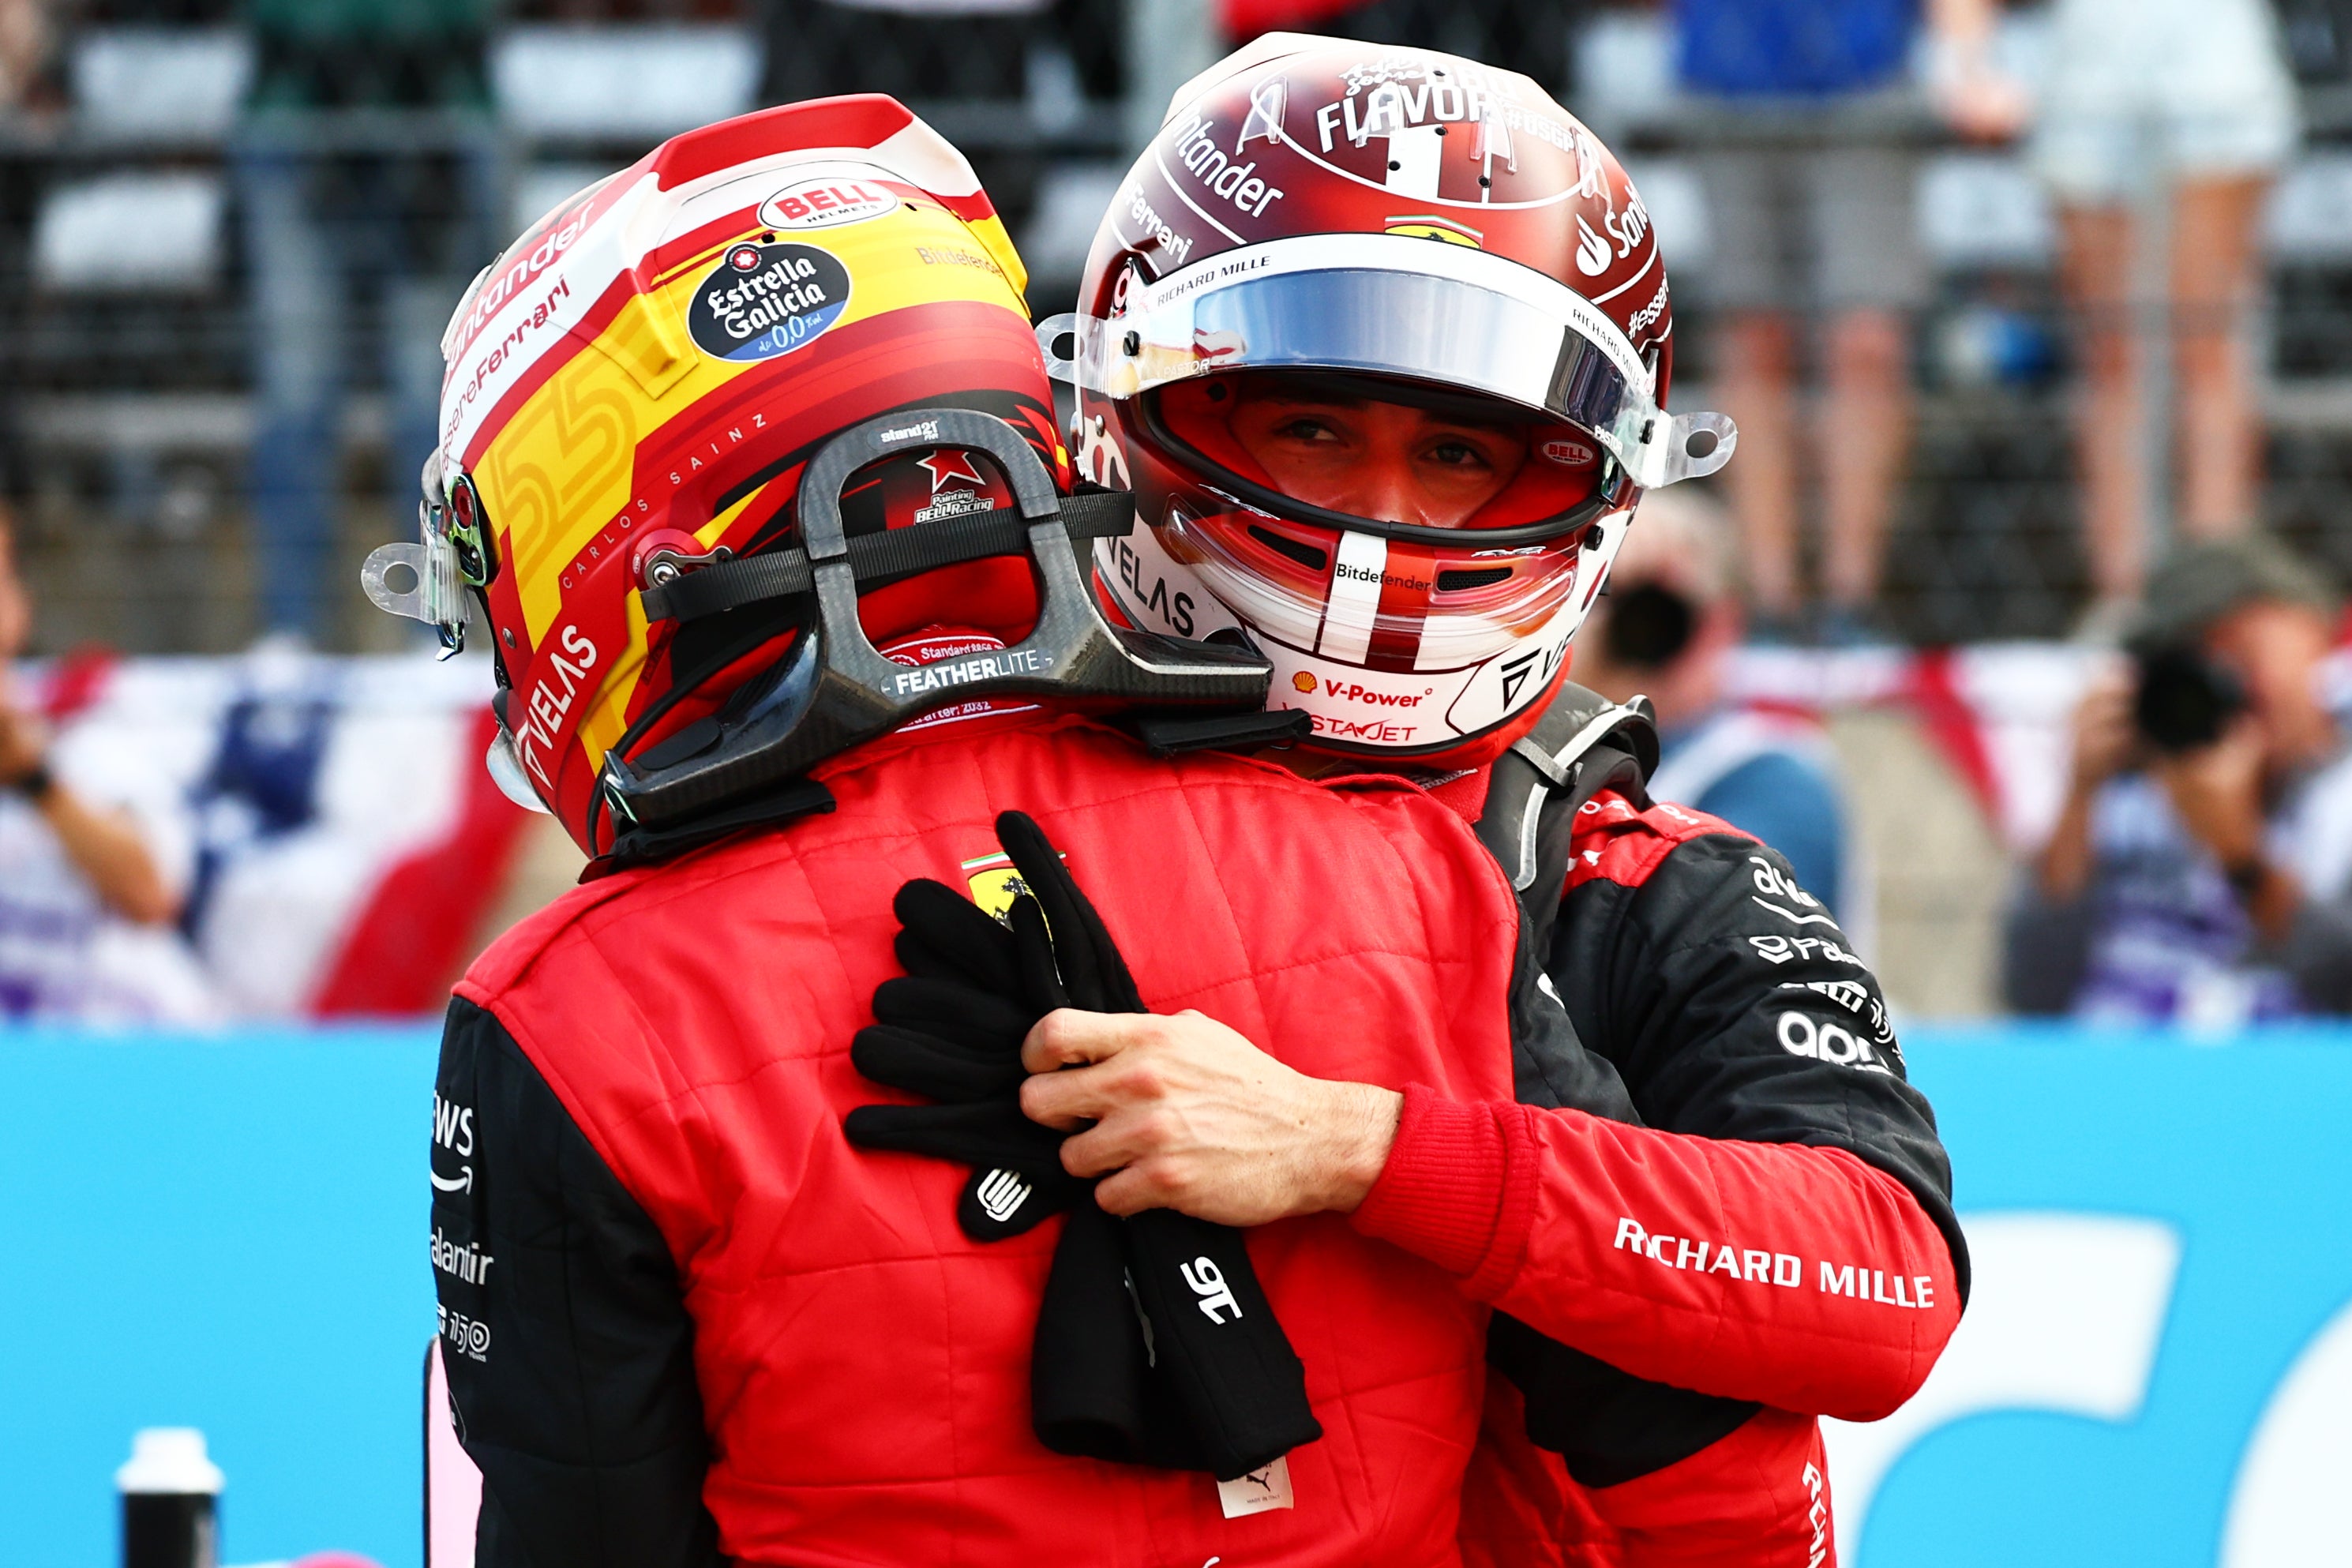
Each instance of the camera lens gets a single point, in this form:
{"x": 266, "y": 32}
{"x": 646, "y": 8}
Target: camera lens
{"x": 2185, "y": 700}
{"x": 1648, "y": 627}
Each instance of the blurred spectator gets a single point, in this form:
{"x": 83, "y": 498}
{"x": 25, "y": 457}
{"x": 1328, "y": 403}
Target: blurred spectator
{"x": 971, "y": 51}
{"x": 27, "y": 50}
{"x": 1004, "y": 76}
{"x": 1665, "y": 630}
{"x": 85, "y": 906}
{"x": 2202, "y": 867}
{"x": 2194, "y": 94}
{"x": 401, "y": 222}
{"x": 1817, "y": 220}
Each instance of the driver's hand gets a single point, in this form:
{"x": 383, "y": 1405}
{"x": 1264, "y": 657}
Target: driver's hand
{"x": 1190, "y": 1115}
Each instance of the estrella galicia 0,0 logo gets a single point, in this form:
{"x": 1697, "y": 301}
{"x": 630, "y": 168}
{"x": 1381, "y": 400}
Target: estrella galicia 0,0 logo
{"x": 762, "y": 300}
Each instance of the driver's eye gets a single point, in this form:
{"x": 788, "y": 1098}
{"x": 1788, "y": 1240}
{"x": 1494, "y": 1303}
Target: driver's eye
{"x": 1306, "y": 430}
{"x": 1456, "y": 454}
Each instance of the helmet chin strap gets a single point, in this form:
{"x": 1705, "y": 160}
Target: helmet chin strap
{"x": 835, "y": 690}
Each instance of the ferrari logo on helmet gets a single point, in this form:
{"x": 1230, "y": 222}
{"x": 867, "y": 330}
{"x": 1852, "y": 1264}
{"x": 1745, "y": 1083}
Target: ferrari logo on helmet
{"x": 1431, "y": 226}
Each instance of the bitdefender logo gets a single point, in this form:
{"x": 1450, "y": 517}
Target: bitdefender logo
{"x": 1354, "y": 574}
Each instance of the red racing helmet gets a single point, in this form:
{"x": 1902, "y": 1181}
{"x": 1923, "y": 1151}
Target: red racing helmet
{"x": 1418, "y": 228}
{"x": 747, "y": 457}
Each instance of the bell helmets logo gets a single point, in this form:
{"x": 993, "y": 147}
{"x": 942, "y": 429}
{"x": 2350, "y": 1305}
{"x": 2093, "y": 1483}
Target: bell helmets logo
{"x": 954, "y": 468}
{"x": 825, "y": 204}
{"x": 1569, "y": 454}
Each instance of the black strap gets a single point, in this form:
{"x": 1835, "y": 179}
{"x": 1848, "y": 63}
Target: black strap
{"x": 877, "y": 559}
{"x": 642, "y": 845}
{"x": 1172, "y": 734}
{"x": 1583, "y": 745}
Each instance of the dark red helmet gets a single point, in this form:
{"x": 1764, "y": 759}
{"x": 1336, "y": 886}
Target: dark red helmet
{"x": 1427, "y": 230}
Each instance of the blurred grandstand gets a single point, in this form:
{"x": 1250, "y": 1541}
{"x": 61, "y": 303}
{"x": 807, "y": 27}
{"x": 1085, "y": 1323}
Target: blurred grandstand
{"x": 127, "y": 372}
{"x": 145, "y": 321}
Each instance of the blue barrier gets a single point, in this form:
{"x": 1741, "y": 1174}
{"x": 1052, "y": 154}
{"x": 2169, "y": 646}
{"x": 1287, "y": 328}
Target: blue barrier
{"x": 2238, "y": 1153}
{"x": 228, "y": 1234}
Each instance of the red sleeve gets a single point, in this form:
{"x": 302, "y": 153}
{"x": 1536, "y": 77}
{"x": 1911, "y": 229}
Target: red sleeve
{"x": 1794, "y": 1276}
{"x": 1758, "y": 1498}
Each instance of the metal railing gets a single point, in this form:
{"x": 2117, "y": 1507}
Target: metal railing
{"x": 127, "y": 401}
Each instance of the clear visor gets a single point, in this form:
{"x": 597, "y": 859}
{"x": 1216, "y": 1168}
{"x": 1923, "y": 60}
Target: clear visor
{"x": 1400, "y": 306}
{"x": 434, "y": 591}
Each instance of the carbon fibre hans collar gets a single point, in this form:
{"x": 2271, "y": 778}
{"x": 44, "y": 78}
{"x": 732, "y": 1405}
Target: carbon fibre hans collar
{"x": 835, "y": 692}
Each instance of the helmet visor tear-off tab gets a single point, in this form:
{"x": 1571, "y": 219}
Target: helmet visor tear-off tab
{"x": 438, "y": 596}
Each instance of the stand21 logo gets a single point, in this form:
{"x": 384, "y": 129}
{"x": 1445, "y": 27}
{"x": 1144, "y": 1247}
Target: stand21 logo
{"x": 764, "y": 300}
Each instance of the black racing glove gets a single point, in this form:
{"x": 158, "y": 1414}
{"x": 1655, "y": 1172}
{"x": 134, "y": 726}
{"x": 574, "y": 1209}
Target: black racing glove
{"x": 947, "y": 1030}
{"x": 1218, "y": 1359}
{"x": 952, "y": 1029}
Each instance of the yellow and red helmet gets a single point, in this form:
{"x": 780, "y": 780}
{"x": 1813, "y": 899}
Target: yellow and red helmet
{"x": 635, "y": 387}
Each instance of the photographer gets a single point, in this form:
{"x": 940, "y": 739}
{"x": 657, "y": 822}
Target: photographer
{"x": 86, "y": 903}
{"x": 2199, "y": 870}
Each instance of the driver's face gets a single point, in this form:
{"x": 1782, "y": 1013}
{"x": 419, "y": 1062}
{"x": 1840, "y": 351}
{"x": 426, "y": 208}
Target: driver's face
{"x": 1387, "y": 461}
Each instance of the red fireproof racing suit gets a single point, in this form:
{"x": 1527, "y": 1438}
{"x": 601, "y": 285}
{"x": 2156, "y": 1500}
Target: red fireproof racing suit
{"x": 683, "y": 1318}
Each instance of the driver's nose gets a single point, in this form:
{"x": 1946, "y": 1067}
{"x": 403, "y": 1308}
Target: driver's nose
{"x": 1380, "y": 485}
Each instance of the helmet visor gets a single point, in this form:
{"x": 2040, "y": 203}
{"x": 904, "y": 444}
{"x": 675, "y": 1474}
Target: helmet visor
{"x": 1395, "y": 305}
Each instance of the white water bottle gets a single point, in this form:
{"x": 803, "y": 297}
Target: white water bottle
{"x": 171, "y": 1500}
